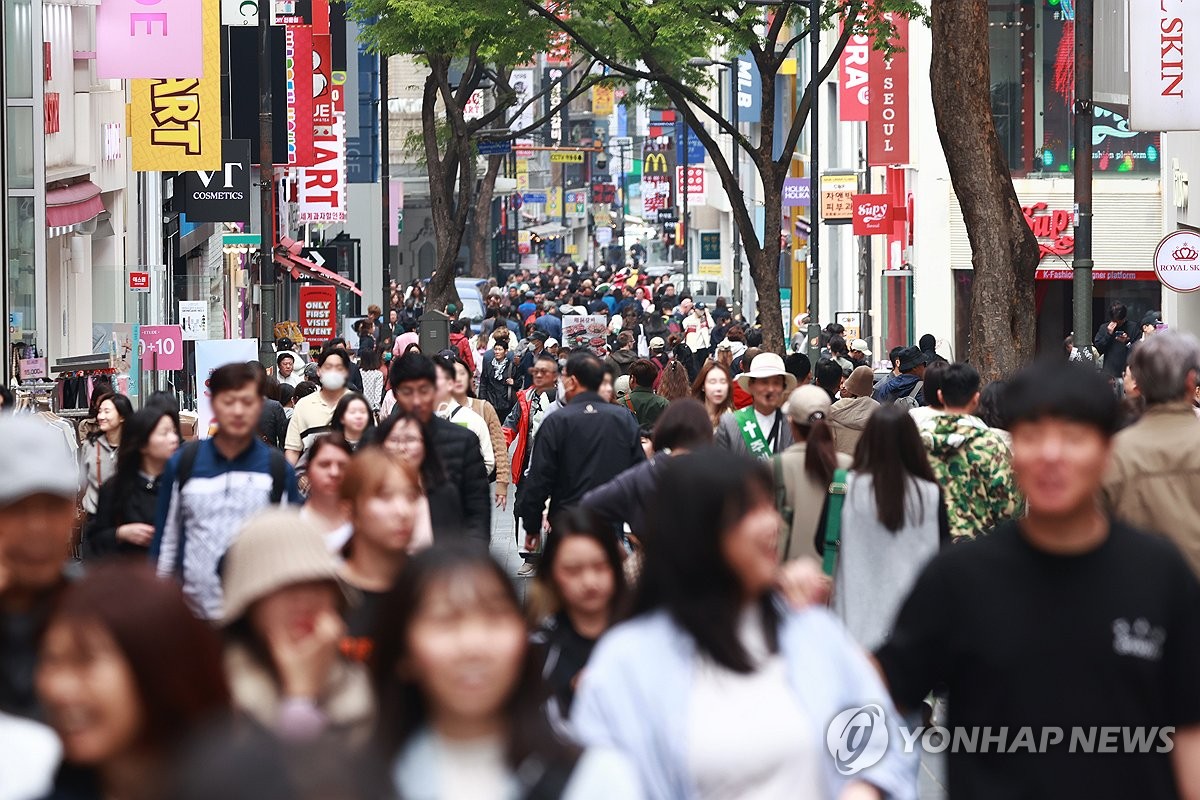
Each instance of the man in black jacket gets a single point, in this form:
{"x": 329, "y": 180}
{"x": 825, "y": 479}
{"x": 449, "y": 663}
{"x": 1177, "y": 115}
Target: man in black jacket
{"x": 414, "y": 385}
{"x": 583, "y": 445}
{"x": 1113, "y": 338}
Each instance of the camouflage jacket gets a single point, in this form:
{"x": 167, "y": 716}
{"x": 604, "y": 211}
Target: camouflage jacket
{"x": 973, "y": 466}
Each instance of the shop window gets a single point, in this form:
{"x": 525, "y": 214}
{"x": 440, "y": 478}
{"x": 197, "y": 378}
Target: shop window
{"x": 22, "y": 282}
{"x": 18, "y": 146}
{"x": 18, "y": 48}
{"x": 1032, "y": 44}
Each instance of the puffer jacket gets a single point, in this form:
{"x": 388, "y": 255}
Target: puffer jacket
{"x": 848, "y": 418}
{"x": 973, "y": 467}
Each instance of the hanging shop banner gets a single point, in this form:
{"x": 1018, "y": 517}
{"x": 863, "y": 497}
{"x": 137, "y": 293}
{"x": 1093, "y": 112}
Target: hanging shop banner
{"x": 193, "y": 320}
{"x": 695, "y": 187}
{"x": 321, "y": 190}
{"x": 710, "y": 246}
{"x": 749, "y": 89}
{"x": 837, "y": 197}
{"x": 603, "y": 100}
{"x": 211, "y": 355}
{"x": 298, "y": 92}
{"x": 175, "y": 123}
{"x": 522, "y": 85}
{"x": 888, "y": 124}
{"x": 160, "y": 347}
{"x": 872, "y": 214}
{"x": 220, "y": 195}
{"x": 318, "y": 314}
{"x": 853, "y": 88}
{"x": 1161, "y": 91}
{"x": 140, "y": 39}
{"x": 797, "y": 192}
{"x": 322, "y": 79}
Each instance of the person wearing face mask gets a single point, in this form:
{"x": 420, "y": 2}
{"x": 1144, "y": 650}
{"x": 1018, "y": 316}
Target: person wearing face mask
{"x": 316, "y": 411}
{"x": 124, "y": 521}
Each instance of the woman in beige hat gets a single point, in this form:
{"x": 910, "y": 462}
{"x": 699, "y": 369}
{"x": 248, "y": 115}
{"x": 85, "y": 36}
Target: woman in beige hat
{"x": 283, "y": 630}
{"x": 806, "y": 468}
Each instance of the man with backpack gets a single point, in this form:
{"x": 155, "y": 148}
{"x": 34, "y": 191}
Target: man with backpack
{"x": 908, "y": 388}
{"x": 210, "y": 487}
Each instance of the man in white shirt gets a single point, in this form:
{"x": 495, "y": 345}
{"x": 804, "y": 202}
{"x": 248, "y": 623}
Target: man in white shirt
{"x": 697, "y": 332}
{"x": 449, "y": 409}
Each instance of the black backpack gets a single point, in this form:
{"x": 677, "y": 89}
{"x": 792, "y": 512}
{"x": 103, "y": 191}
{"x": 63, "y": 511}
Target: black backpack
{"x": 187, "y": 463}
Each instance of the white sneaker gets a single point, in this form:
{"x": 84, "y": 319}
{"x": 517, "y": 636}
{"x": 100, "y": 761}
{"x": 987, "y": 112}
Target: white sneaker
{"x": 527, "y": 569}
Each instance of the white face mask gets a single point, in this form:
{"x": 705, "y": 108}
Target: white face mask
{"x": 333, "y": 380}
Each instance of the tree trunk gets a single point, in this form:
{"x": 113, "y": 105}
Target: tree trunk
{"x": 481, "y": 250}
{"x": 764, "y": 265}
{"x": 1004, "y": 250}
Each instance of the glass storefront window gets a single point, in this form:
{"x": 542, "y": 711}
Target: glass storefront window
{"x": 18, "y": 48}
{"x": 19, "y": 147}
{"x": 1032, "y": 45}
{"x": 22, "y": 282}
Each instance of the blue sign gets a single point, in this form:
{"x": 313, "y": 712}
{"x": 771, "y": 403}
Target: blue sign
{"x": 487, "y": 147}
{"x": 749, "y": 89}
{"x": 535, "y": 197}
{"x": 695, "y": 148}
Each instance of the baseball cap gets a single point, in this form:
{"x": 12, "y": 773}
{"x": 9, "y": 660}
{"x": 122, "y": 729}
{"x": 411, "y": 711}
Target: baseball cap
{"x": 551, "y": 342}
{"x": 807, "y": 403}
{"x": 34, "y": 460}
{"x": 860, "y": 345}
{"x": 657, "y": 343}
{"x": 1152, "y": 318}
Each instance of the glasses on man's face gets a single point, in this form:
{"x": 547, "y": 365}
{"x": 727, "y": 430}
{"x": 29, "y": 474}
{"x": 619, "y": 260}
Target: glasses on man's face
{"x": 541, "y": 371}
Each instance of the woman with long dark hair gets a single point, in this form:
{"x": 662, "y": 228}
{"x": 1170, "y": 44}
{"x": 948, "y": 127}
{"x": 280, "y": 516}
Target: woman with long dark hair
{"x": 98, "y": 454}
{"x": 461, "y": 694}
{"x": 673, "y": 383}
{"x": 580, "y": 593}
{"x": 893, "y": 522}
{"x": 354, "y": 419}
{"x": 715, "y": 687}
{"x": 127, "y": 503}
{"x": 127, "y": 676}
{"x": 404, "y": 436}
{"x": 805, "y": 469}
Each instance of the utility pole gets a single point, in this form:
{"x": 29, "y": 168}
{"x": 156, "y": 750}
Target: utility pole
{"x": 814, "y": 171}
{"x": 385, "y": 243}
{"x": 685, "y": 227}
{"x": 266, "y": 173}
{"x": 1081, "y": 279}
{"x": 624, "y": 244}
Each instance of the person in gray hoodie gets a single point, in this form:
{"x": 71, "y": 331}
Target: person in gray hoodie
{"x": 848, "y": 416}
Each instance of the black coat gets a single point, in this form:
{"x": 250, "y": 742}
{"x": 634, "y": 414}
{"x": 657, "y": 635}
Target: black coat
{"x": 272, "y": 424}
{"x": 1116, "y": 354}
{"x": 497, "y": 390}
{"x": 115, "y": 508}
{"x": 470, "y": 513}
{"x": 585, "y": 444}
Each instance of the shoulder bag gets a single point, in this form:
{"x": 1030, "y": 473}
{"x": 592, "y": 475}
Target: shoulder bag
{"x": 833, "y": 521}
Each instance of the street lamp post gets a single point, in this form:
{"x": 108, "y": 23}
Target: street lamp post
{"x": 737, "y": 171}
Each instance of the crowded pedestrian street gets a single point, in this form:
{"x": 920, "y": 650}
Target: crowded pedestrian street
{"x": 531, "y": 400}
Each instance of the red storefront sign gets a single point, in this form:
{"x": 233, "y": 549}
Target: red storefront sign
{"x": 1052, "y": 229}
{"x": 888, "y": 122}
{"x": 318, "y": 314}
{"x": 853, "y": 95}
{"x": 872, "y": 214}
{"x": 298, "y": 90}
{"x": 139, "y": 281}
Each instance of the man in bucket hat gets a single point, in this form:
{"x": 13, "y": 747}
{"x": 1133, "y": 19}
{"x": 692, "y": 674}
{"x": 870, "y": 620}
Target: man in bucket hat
{"x": 759, "y": 430}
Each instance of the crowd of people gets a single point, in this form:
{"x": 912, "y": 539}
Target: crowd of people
{"x": 727, "y": 550}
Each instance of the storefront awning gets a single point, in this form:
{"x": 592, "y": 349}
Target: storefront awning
{"x": 301, "y": 268}
{"x": 73, "y": 204}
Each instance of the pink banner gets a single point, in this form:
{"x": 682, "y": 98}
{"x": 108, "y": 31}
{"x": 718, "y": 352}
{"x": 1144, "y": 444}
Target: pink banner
{"x": 139, "y": 39}
{"x": 160, "y": 347}
{"x": 395, "y": 206}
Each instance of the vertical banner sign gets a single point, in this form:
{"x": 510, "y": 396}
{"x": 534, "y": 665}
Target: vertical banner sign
{"x": 693, "y": 185}
{"x": 887, "y": 127}
{"x": 318, "y": 314}
{"x": 298, "y": 89}
{"x": 142, "y": 39}
{"x": 209, "y": 356}
{"x": 321, "y": 190}
{"x": 749, "y": 89}
{"x": 602, "y": 100}
{"x": 395, "y": 210}
{"x": 797, "y": 192}
{"x": 1162, "y": 94}
{"x": 522, "y": 84}
{"x": 853, "y": 94}
{"x": 322, "y": 79}
{"x": 175, "y": 123}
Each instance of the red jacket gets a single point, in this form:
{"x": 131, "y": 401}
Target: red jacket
{"x": 463, "y": 345}
{"x": 521, "y": 434}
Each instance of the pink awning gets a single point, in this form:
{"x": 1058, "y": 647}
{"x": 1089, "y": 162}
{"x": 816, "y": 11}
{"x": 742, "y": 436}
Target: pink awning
{"x": 301, "y": 268}
{"x": 73, "y": 204}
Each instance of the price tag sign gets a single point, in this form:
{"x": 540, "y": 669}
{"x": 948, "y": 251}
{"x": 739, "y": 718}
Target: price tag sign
{"x": 160, "y": 347}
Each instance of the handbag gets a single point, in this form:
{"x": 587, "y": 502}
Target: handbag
{"x": 833, "y": 520}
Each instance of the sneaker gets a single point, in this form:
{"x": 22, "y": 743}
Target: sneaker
{"x": 527, "y": 569}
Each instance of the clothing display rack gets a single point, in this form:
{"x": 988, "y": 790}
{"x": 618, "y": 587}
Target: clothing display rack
{"x": 77, "y": 378}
